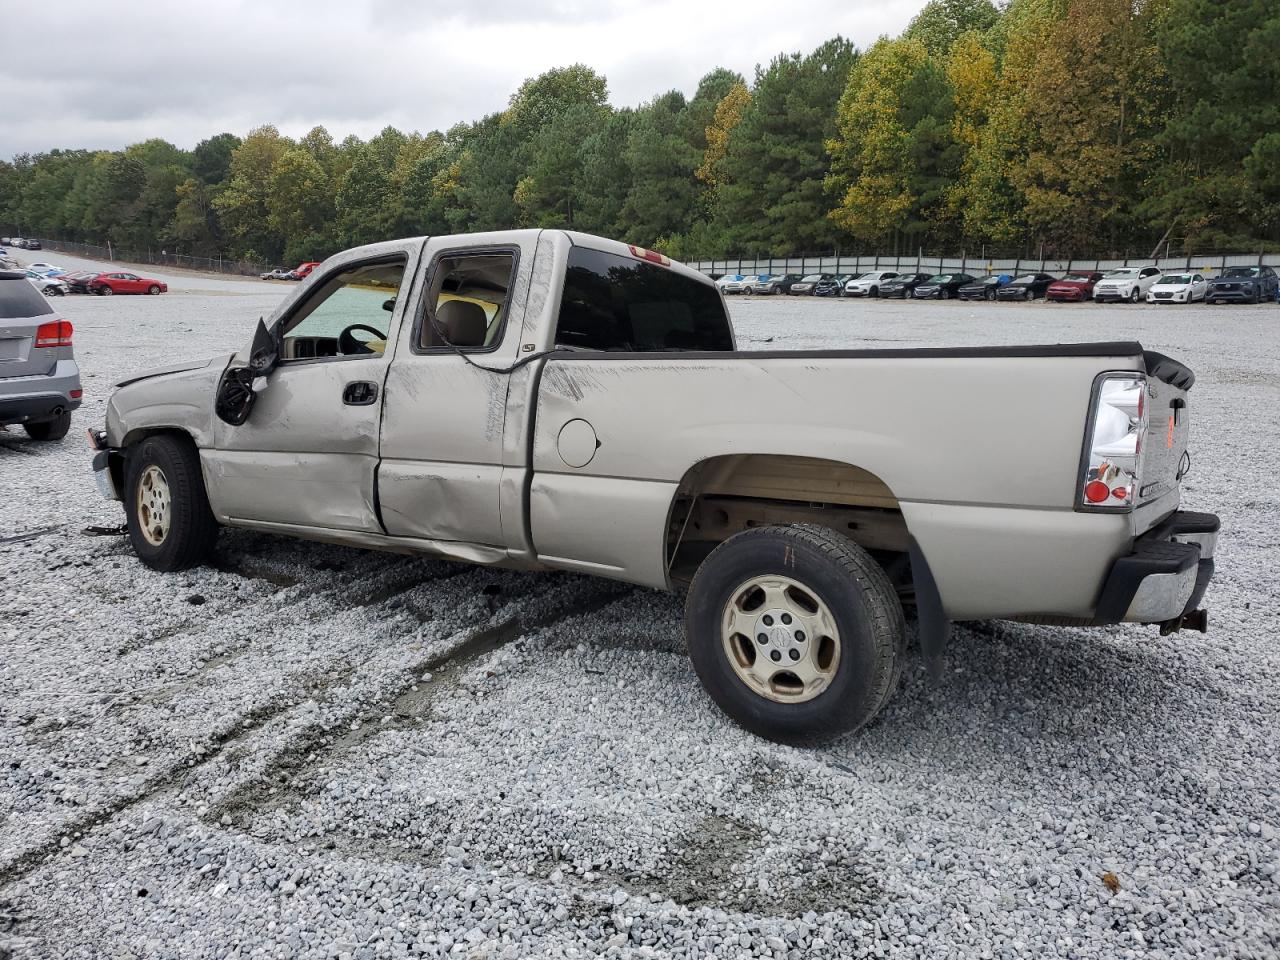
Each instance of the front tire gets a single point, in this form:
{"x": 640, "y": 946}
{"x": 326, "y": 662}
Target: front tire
{"x": 832, "y": 625}
{"x": 154, "y": 290}
{"x": 874, "y": 292}
{"x": 170, "y": 523}
{"x": 54, "y": 429}
{"x": 1134, "y": 295}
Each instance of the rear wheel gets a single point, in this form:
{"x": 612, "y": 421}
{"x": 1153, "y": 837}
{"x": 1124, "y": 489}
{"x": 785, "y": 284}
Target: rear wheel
{"x": 1134, "y": 295}
{"x": 874, "y": 292}
{"x": 54, "y": 429}
{"x": 795, "y": 632}
{"x": 154, "y": 290}
{"x": 105, "y": 291}
{"x": 990, "y": 294}
{"x": 170, "y": 524}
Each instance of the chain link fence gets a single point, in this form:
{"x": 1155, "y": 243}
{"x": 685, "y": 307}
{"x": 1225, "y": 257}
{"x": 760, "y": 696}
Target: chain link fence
{"x": 110, "y": 254}
{"x": 975, "y": 264}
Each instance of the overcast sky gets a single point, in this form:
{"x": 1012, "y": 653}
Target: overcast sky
{"x": 106, "y": 74}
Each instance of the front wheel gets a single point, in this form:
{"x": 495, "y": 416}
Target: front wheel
{"x": 795, "y": 632}
{"x": 54, "y": 429}
{"x": 153, "y": 290}
{"x": 170, "y": 523}
{"x": 1134, "y": 295}
{"x": 874, "y": 292}
{"x": 990, "y": 294}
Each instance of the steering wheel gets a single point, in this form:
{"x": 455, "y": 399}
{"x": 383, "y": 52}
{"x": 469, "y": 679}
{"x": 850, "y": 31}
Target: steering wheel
{"x": 348, "y": 344}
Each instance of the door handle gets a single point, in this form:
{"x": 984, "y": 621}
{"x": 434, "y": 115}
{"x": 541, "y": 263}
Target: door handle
{"x": 359, "y": 393}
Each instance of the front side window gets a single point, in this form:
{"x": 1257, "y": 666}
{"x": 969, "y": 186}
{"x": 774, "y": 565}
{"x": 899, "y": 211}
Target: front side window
{"x": 347, "y": 316}
{"x": 617, "y": 303}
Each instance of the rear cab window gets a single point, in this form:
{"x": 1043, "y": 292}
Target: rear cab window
{"x": 618, "y": 303}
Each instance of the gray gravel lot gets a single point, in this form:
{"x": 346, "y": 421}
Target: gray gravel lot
{"x": 310, "y": 751}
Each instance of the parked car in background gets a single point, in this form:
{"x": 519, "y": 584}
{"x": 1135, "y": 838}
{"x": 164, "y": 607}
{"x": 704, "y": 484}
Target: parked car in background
{"x": 831, "y": 287}
{"x": 39, "y": 379}
{"x": 303, "y": 270}
{"x": 734, "y": 284}
{"x": 784, "y": 283}
{"x": 17, "y": 242}
{"x": 806, "y": 285}
{"x": 761, "y": 283}
{"x": 49, "y": 286}
{"x": 46, "y": 269}
{"x": 944, "y": 286}
{"x": 1243, "y": 285}
{"x": 1073, "y": 288}
{"x": 868, "y": 284}
{"x": 106, "y": 284}
{"x": 1126, "y": 283}
{"x": 78, "y": 282}
{"x": 1178, "y": 288}
{"x": 984, "y": 288}
{"x": 278, "y": 273}
{"x": 33, "y": 244}
{"x": 5, "y": 241}
{"x": 902, "y": 285}
{"x": 1030, "y": 286}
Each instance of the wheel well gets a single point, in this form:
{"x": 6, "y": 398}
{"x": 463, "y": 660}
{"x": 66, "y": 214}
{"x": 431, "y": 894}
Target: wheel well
{"x": 116, "y": 461}
{"x": 725, "y": 495}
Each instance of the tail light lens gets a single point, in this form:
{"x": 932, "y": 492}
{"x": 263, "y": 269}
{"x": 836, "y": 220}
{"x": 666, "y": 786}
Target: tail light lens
{"x": 55, "y": 333}
{"x": 1113, "y": 451}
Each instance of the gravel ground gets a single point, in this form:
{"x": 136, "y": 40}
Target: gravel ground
{"x": 309, "y": 751}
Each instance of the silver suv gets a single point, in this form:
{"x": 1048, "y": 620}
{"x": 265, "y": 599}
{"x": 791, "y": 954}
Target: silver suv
{"x": 39, "y": 379}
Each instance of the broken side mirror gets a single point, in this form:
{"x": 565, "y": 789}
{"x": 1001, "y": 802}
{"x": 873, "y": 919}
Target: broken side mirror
{"x": 240, "y": 386}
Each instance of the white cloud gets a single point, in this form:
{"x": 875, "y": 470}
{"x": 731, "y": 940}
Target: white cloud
{"x": 113, "y": 73}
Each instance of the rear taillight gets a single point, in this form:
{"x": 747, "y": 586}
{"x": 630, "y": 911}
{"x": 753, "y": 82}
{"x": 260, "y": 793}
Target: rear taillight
{"x": 1113, "y": 451}
{"x": 55, "y": 333}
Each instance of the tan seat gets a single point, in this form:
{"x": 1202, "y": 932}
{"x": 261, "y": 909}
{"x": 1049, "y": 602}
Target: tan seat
{"x": 464, "y": 324}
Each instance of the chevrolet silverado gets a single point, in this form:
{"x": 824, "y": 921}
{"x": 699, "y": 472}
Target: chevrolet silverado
{"x": 543, "y": 400}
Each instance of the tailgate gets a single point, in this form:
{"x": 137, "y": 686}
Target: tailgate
{"x": 18, "y": 355}
{"x": 1164, "y": 447}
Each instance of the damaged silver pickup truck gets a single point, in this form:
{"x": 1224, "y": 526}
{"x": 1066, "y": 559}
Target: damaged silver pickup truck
{"x": 550, "y": 400}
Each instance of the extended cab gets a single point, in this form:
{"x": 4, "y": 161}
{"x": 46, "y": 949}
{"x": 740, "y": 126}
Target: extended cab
{"x": 550, "y": 400}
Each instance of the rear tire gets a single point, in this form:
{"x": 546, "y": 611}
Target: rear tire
{"x": 171, "y": 526}
{"x": 990, "y": 295}
{"x": 845, "y": 617}
{"x": 874, "y": 292}
{"x": 54, "y": 429}
{"x": 1134, "y": 295}
{"x": 105, "y": 291}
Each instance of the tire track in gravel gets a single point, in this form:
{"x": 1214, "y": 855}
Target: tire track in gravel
{"x": 468, "y": 643}
{"x": 410, "y": 701}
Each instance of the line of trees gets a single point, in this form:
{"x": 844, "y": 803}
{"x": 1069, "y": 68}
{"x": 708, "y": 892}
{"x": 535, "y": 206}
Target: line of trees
{"x": 1073, "y": 126}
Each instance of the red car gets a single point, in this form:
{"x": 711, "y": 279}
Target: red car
{"x": 1073, "y": 288}
{"x": 105, "y": 284}
{"x": 304, "y": 269}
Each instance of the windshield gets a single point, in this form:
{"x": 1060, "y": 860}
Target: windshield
{"x": 19, "y": 300}
{"x": 1242, "y": 272}
{"x": 1029, "y": 278}
{"x": 812, "y": 278}
{"x": 1175, "y": 278}
{"x": 941, "y": 278}
{"x": 612, "y": 302}
{"x": 1123, "y": 272}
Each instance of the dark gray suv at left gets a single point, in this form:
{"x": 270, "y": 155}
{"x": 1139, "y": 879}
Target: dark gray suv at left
{"x": 39, "y": 379}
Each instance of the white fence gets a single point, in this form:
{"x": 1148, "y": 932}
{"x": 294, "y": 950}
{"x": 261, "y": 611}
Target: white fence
{"x": 1203, "y": 263}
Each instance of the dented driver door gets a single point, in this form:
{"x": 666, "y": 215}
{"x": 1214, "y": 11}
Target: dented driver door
{"x": 446, "y": 394}
{"x": 307, "y": 454}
